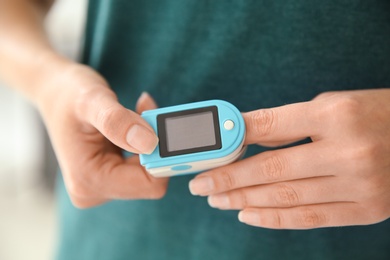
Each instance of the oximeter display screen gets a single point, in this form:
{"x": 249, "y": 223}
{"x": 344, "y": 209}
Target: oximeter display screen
{"x": 189, "y": 131}
{"x": 186, "y": 132}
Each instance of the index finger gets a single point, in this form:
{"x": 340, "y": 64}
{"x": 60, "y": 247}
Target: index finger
{"x": 284, "y": 123}
{"x": 299, "y": 162}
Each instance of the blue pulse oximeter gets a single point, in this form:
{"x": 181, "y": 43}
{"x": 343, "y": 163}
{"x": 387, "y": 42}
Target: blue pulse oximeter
{"x": 194, "y": 137}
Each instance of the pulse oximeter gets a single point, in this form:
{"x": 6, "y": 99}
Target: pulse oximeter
{"x": 194, "y": 137}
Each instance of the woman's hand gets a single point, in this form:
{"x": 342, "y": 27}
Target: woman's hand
{"x": 342, "y": 178}
{"x": 86, "y": 124}
{"x": 89, "y": 129}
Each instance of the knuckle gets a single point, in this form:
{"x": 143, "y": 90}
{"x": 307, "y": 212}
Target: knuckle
{"x": 310, "y": 218}
{"x": 344, "y": 108}
{"x": 243, "y": 199}
{"x": 106, "y": 117}
{"x": 366, "y": 152}
{"x": 272, "y": 168}
{"x": 227, "y": 181}
{"x": 77, "y": 189}
{"x": 89, "y": 96}
{"x": 86, "y": 203}
{"x": 80, "y": 204}
{"x": 277, "y": 220}
{"x": 285, "y": 196}
{"x": 262, "y": 122}
{"x": 347, "y": 104}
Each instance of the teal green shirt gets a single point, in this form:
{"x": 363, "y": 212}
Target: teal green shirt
{"x": 254, "y": 54}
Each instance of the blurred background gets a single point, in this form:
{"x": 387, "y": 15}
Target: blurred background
{"x": 28, "y": 166}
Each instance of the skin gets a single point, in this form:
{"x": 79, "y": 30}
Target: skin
{"x": 341, "y": 178}
{"x": 87, "y": 125}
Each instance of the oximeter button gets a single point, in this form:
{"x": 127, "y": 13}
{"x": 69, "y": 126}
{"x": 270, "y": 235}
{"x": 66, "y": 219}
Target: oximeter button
{"x": 228, "y": 125}
{"x": 181, "y": 167}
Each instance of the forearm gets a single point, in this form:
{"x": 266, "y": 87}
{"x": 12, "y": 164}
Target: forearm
{"x": 24, "y": 47}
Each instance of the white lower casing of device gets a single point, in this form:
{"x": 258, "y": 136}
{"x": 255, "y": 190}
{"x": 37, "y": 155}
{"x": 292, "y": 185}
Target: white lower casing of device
{"x": 200, "y": 165}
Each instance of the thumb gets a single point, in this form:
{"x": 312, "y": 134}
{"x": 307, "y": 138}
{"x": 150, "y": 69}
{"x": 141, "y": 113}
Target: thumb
{"x": 121, "y": 126}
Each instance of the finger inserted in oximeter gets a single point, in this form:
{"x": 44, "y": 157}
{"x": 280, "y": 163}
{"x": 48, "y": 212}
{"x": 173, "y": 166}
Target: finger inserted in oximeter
{"x": 194, "y": 137}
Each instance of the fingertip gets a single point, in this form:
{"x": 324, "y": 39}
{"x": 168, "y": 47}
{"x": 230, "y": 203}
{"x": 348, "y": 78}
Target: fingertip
{"x": 144, "y": 95}
{"x": 249, "y": 217}
{"x": 201, "y": 185}
{"x": 145, "y": 102}
{"x": 241, "y": 216}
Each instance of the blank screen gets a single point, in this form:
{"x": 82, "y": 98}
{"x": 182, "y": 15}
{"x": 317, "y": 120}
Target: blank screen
{"x": 190, "y": 131}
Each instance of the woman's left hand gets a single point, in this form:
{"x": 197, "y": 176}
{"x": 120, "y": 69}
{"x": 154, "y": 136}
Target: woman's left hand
{"x": 341, "y": 178}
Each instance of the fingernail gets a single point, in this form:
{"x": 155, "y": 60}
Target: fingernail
{"x": 219, "y": 201}
{"x": 249, "y": 217}
{"x": 142, "y": 139}
{"x": 201, "y": 185}
{"x": 143, "y": 96}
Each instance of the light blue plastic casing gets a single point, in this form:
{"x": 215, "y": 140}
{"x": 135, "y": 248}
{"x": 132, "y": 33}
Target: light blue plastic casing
{"x": 231, "y": 139}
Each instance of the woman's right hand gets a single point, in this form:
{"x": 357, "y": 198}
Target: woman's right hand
{"x": 88, "y": 129}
